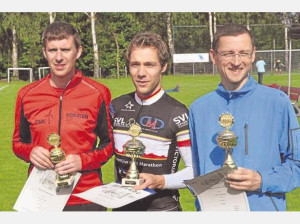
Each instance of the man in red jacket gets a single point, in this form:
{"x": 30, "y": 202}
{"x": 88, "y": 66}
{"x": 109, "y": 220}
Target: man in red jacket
{"x": 68, "y": 104}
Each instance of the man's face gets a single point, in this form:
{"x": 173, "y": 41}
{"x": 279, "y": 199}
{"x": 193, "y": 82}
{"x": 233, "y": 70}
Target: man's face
{"x": 145, "y": 70}
{"x": 234, "y": 70}
{"x": 61, "y": 56}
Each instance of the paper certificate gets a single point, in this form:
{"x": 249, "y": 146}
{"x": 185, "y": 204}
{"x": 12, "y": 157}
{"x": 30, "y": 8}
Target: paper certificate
{"x": 215, "y": 195}
{"x": 41, "y": 194}
{"x": 113, "y": 195}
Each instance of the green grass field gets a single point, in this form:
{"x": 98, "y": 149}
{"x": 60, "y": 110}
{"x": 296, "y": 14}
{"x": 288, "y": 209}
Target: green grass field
{"x": 13, "y": 171}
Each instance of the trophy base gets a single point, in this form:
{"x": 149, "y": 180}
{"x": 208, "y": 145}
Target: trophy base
{"x": 59, "y": 182}
{"x": 131, "y": 182}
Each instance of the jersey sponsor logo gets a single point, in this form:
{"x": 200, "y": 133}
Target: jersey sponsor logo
{"x": 181, "y": 120}
{"x": 76, "y": 115}
{"x": 149, "y": 164}
{"x": 119, "y": 122}
{"x": 175, "y": 162}
{"x": 48, "y": 116}
{"x": 40, "y": 121}
{"x": 128, "y": 107}
{"x": 121, "y": 160}
{"x": 47, "y": 119}
{"x": 152, "y": 123}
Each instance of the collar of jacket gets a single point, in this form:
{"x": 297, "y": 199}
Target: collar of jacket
{"x": 74, "y": 81}
{"x": 249, "y": 86}
{"x": 150, "y": 100}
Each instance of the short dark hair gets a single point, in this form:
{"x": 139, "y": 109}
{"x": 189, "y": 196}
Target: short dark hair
{"x": 231, "y": 29}
{"x": 147, "y": 39}
{"x": 60, "y": 30}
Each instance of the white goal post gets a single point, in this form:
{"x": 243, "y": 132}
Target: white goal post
{"x": 42, "y": 74}
{"x": 30, "y": 73}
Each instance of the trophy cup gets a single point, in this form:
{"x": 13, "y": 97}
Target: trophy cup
{"x": 57, "y": 155}
{"x": 133, "y": 149}
{"x": 227, "y": 139}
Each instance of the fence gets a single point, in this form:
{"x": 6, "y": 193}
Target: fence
{"x": 196, "y": 38}
{"x": 269, "y": 56}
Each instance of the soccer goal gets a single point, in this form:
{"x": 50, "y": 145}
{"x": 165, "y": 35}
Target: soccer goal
{"x": 43, "y": 71}
{"x": 11, "y": 69}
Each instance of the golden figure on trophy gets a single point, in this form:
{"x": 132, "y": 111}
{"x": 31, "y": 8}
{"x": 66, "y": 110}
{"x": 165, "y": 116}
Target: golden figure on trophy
{"x": 133, "y": 149}
{"x": 227, "y": 139}
{"x": 57, "y": 155}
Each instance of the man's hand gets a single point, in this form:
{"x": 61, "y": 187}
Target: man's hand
{"x": 71, "y": 164}
{"x": 40, "y": 157}
{"x": 244, "y": 179}
{"x": 151, "y": 181}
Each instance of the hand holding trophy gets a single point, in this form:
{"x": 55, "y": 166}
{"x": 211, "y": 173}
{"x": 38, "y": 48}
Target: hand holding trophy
{"x": 227, "y": 139}
{"x": 57, "y": 155}
{"x": 133, "y": 149}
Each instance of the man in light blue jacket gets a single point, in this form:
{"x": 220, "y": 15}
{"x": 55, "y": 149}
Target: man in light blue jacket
{"x": 268, "y": 149}
{"x": 260, "y": 65}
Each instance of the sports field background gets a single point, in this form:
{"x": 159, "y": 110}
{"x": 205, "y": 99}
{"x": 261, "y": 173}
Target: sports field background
{"x": 13, "y": 171}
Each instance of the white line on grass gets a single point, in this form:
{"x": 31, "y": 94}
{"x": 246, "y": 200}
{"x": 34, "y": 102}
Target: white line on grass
{"x": 3, "y": 87}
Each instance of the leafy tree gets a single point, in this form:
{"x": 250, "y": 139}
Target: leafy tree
{"x": 23, "y": 31}
{"x": 115, "y": 30}
{"x": 20, "y": 34}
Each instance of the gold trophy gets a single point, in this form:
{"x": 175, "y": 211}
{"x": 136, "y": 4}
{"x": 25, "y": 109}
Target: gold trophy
{"x": 133, "y": 149}
{"x": 227, "y": 139}
{"x": 57, "y": 155}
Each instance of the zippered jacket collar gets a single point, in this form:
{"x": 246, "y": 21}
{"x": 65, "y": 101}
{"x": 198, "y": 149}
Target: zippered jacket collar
{"x": 74, "y": 81}
{"x": 250, "y": 85}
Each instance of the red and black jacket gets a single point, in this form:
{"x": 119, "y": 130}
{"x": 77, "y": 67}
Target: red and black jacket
{"x": 79, "y": 114}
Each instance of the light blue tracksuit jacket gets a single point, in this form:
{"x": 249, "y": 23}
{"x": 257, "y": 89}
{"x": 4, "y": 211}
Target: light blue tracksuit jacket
{"x": 268, "y": 139}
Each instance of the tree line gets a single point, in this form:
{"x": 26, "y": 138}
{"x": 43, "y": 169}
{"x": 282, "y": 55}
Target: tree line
{"x": 106, "y": 35}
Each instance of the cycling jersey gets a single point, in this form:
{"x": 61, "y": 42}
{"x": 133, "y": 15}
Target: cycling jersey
{"x": 165, "y": 132}
{"x": 78, "y": 114}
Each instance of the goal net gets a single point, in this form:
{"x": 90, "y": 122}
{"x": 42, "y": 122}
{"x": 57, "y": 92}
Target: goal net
{"x": 22, "y": 76}
{"x": 43, "y": 71}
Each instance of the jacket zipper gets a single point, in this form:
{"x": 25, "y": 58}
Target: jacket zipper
{"x": 60, "y": 109}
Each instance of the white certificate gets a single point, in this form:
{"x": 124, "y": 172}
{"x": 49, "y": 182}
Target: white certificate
{"x": 220, "y": 197}
{"x": 41, "y": 194}
{"x": 113, "y": 195}
{"x": 215, "y": 195}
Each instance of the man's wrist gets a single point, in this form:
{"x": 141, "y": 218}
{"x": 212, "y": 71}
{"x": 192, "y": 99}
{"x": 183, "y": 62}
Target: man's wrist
{"x": 260, "y": 185}
{"x": 163, "y": 182}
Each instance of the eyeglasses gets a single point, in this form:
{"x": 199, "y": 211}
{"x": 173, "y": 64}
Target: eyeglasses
{"x": 230, "y": 55}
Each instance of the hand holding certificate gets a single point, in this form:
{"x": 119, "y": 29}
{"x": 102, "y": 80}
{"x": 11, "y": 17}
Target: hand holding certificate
{"x": 113, "y": 195}
{"x": 40, "y": 192}
{"x": 215, "y": 195}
